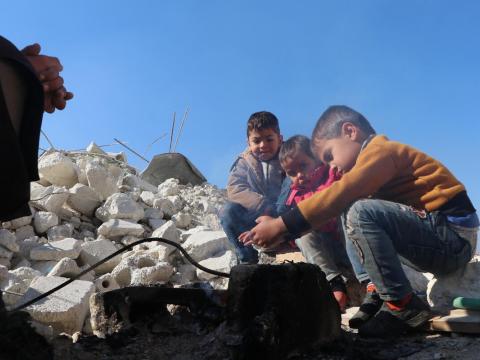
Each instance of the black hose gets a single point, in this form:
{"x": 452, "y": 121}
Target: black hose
{"x": 128, "y": 247}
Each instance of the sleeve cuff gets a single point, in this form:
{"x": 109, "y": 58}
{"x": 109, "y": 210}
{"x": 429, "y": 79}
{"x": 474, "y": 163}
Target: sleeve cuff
{"x": 295, "y": 222}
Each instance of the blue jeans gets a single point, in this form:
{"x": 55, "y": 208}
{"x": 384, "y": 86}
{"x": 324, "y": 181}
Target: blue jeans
{"x": 386, "y": 234}
{"x": 325, "y": 251}
{"x": 236, "y": 219}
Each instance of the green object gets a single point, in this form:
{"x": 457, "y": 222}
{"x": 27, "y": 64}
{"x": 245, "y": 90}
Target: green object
{"x": 466, "y": 303}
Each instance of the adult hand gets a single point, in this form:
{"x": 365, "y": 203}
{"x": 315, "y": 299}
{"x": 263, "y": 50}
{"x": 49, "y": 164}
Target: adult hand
{"x": 265, "y": 233}
{"x": 48, "y": 70}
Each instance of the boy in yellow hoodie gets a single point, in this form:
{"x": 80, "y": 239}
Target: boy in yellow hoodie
{"x": 400, "y": 206}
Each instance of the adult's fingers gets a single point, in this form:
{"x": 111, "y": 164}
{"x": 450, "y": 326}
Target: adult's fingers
{"x": 31, "y": 50}
{"x": 53, "y": 85}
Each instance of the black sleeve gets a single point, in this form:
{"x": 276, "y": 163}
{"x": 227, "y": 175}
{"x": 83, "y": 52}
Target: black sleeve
{"x": 295, "y": 222}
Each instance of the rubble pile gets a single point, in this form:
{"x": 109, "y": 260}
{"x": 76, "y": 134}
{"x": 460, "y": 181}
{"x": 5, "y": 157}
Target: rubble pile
{"x": 90, "y": 204}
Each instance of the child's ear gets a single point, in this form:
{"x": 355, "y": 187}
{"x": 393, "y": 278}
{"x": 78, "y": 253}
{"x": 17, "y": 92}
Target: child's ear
{"x": 349, "y": 131}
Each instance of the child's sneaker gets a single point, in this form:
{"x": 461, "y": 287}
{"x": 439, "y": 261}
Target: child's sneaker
{"x": 370, "y": 306}
{"x": 393, "y": 320}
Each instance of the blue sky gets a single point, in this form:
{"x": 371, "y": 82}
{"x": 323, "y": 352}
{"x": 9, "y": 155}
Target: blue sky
{"x": 411, "y": 67}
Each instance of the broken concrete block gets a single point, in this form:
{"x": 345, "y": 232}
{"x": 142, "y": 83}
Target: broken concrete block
{"x": 134, "y": 181}
{"x": 182, "y": 220}
{"x": 160, "y": 272}
{"x": 100, "y": 180}
{"x": 60, "y": 232}
{"x": 44, "y": 266}
{"x": 18, "y": 282}
{"x": 178, "y": 203}
{"x": 156, "y": 223}
{"x": 442, "y": 290}
{"x": 19, "y": 222}
{"x": 5, "y": 254}
{"x": 123, "y": 271}
{"x": 106, "y": 283}
{"x": 66, "y": 267}
{"x": 49, "y": 198}
{"x": 66, "y": 309}
{"x": 117, "y": 227}
{"x": 57, "y": 250}
{"x": 129, "y": 239}
{"x": 58, "y": 169}
{"x": 167, "y": 231}
{"x": 93, "y": 148}
{"x": 8, "y": 240}
{"x": 44, "y": 220}
{"x": 24, "y": 232}
{"x": 147, "y": 197}
{"x": 185, "y": 274}
{"x": 205, "y": 244}
{"x": 120, "y": 206}
{"x": 185, "y": 234}
{"x": 165, "y": 206}
{"x": 94, "y": 251}
{"x": 168, "y": 188}
{"x": 83, "y": 199}
{"x": 152, "y": 213}
{"x": 222, "y": 263}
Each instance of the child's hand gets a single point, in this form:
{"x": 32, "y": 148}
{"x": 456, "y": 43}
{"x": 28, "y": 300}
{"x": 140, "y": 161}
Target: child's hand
{"x": 265, "y": 233}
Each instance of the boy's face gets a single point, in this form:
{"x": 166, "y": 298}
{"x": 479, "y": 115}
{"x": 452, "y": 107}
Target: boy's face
{"x": 340, "y": 153}
{"x": 264, "y": 144}
{"x": 299, "y": 169}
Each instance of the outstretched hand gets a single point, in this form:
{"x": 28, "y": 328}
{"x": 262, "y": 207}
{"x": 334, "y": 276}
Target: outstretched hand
{"x": 265, "y": 233}
{"x": 48, "y": 70}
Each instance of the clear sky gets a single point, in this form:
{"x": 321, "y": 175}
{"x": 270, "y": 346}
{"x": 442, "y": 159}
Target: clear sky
{"x": 411, "y": 67}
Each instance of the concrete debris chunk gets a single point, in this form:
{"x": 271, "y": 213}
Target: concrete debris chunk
{"x": 83, "y": 199}
{"x": 105, "y": 283}
{"x": 168, "y": 231}
{"x": 100, "y": 180}
{"x": 158, "y": 273}
{"x": 120, "y": 206}
{"x": 168, "y": 188}
{"x": 165, "y": 206}
{"x": 58, "y": 169}
{"x": 117, "y": 227}
{"x": 19, "y": 222}
{"x": 68, "y": 268}
{"x": 151, "y": 213}
{"x": 51, "y": 198}
{"x": 66, "y": 309}
{"x": 147, "y": 197}
{"x": 60, "y": 232}
{"x": 57, "y": 250}
{"x": 94, "y": 251}
{"x": 221, "y": 263}
{"x": 205, "y": 244}
{"x": 24, "y": 232}
{"x": 8, "y": 240}
{"x": 134, "y": 181}
{"x": 44, "y": 220}
{"x": 182, "y": 220}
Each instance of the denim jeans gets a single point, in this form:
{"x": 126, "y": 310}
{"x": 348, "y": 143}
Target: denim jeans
{"x": 236, "y": 219}
{"x": 386, "y": 234}
{"x": 325, "y": 251}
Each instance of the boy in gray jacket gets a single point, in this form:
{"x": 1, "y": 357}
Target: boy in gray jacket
{"x": 254, "y": 182}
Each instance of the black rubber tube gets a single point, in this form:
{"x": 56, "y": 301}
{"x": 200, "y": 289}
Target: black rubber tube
{"x": 128, "y": 247}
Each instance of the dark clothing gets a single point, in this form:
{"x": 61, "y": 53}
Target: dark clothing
{"x": 19, "y": 152}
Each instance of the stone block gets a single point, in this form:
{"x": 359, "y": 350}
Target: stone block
{"x": 442, "y": 290}
{"x": 66, "y": 309}
{"x": 8, "y": 240}
{"x": 205, "y": 244}
{"x": 165, "y": 206}
{"x": 69, "y": 268}
{"x": 150, "y": 275}
{"x": 24, "y": 232}
{"x": 118, "y": 227}
{"x": 57, "y": 250}
{"x": 94, "y": 251}
{"x": 168, "y": 231}
{"x": 100, "y": 180}
{"x": 182, "y": 220}
{"x": 152, "y": 213}
{"x": 50, "y": 198}
{"x": 120, "y": 206}
{"x": 84, "y": 199}
{"x": 134, "y": 181}
{"x": 60, "y": 232}
{"x": 222, "y": 263}
{"x": 19, "y": 222}
{"x": 169, "y": 188}
{"x": 105, "y": 283}
{"x": 58, "y": 169}
{"x": 44, "y": 220}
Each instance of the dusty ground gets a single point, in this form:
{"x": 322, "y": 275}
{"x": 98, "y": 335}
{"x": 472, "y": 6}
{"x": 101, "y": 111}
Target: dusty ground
{"x": 183, "y": 337}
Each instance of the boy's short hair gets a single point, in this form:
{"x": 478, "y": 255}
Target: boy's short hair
{"x": 293, "y": 146}
{"x": 329, "y": 125}
{"x": 262, "y": 120}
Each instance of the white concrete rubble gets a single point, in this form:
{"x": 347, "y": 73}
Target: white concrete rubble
{"x": 57, "y": 250}
{"x": 60, "y": 232}
{"x": 44, "y": 220}
{"x": 167, "y": 231}
{"x": 58, "y": 169}
{"x": 221, "y": 263}
{"x": 442, "y": 290}
{"x": 182, "y": 220}
{"x": 100, "y": 180}
{"x": 105, "y": 283}
{"x": 66, "y": 309}
{"x": 8, "y": 240}
{"x": 120, "y": 206}
{"x": 165, "y": 206}
{"x": 118, "y": 227}
{"x": 206, "y": 244}
{"x": 169, "y": 187}
{"x": 94, "y": 251}
{"x": 83, "y": 199}
{"x": 49, "y": 198}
